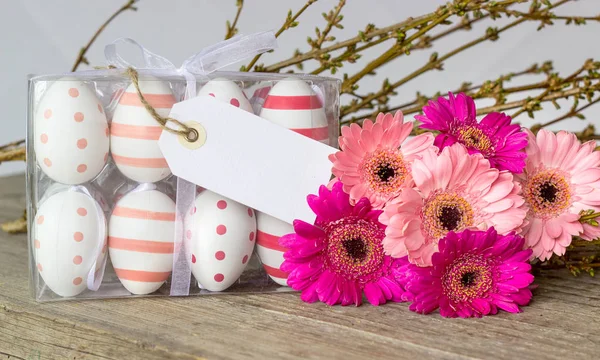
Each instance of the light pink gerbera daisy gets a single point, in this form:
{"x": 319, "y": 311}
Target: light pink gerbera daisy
{"x": 453, "y": 191}
{"x": 561, "y": 178}
{"x": 374, "y": 162}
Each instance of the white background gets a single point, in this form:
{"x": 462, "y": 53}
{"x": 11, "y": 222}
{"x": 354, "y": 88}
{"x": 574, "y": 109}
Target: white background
{"x": 40, "y": 36}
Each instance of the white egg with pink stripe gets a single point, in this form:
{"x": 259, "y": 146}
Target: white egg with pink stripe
{"x": 226, "y": 91}
{"x": 134, "y": 132}
{"x": 69, "y": 237}
{"x": 268, "y": 249}
{"x": 221, "y": 234}
{"x": 141, "y": 231}
{"x": 293, "y": 104}
{"x": 70, "y": 132}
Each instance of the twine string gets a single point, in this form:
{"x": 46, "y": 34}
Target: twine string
{"x": 190, "y": 134}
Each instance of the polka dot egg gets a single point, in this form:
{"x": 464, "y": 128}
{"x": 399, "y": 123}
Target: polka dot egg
{"x": 68, "y": 241}
{"x": 221, "y": 234}
{"x": 71, "y": 138}
{"x": 226, "y": 91}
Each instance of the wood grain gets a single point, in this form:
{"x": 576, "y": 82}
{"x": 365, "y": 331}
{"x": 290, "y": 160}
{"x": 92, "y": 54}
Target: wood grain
{"x": 562, "y": 323}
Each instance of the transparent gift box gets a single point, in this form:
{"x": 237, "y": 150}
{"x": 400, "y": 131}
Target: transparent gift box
{"x": 104, "y": 213}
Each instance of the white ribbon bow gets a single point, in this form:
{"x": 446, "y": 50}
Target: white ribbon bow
{"x": 210, "y": 59}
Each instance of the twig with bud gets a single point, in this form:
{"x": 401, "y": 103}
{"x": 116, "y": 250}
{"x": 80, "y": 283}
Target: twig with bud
{"x": 232, "y": 29}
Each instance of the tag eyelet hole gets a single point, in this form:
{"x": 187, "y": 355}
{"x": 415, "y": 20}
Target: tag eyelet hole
{"x": 192, "y": 135}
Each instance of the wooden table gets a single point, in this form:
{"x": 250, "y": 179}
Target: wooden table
{"x": 563, "y": 322}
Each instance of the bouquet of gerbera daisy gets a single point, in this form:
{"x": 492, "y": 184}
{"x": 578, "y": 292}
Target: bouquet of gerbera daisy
{"x": 448, "y": 219}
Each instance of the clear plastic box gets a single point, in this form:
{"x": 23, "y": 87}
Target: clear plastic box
{"x": 102, "y": 203}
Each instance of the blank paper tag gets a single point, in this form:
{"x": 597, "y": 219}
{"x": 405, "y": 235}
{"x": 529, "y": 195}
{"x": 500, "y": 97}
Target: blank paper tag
{"x": 249, "y": 159}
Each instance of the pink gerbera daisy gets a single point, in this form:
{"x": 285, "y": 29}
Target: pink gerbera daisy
{"x": 374, "y": 161}
{"x": 340, "y": 257}
{"x": 453, "y": 191}
{"x": 561, "y": 178}
{"x": 474, "y": 274}
{"x": 494, "y": 137}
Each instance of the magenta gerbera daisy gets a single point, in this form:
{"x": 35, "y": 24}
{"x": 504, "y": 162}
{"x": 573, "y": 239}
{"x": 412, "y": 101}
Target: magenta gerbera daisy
{"x": 561, "y": 178}
{"x": 374, "y": 161}
{"x": 475, "y": 273}
{"x": 494, "y": 137}
{"x": 340, "y": 257}
{"x": 453, "y": 191}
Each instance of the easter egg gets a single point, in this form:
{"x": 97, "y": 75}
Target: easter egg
{"x": 226, "y": 91}
{"x": 268, "y": 249}
{"x": 292, "y": 103}
{"x": 69, "y": 236}
{"x": 134, "y": 132}
{"x": 70, "y": 132}
{"x": 140, "y": 240}
{"x": 221, "y": 235}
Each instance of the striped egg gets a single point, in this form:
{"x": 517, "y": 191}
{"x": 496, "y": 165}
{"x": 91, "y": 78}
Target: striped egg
{"x": 268, "y": 249}
{"x": 134, "y": 133}
{"x": 69, "y": 236}
{"x": 70, "y": 132}
{"x": 221, "y": 235}
{"x": 226, "y": 91}
{"x": 292, "y": 103}
{"x": 140, "y": 240}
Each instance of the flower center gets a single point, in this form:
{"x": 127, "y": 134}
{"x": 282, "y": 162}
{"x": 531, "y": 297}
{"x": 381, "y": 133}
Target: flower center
{"x": 468, "y": 277}
{"x": 548, "y": 193}
{"x": 384, "y": 171}
{"x": 354, "y": 248}
{"x": 450, "y": 217}
{"x": 445, "y": 212}
{"x": 473, "y": 137}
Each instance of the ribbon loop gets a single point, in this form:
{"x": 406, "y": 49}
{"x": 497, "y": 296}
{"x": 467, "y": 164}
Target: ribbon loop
{"x": 151, "y": 60}
{"x": 228, "y": 52}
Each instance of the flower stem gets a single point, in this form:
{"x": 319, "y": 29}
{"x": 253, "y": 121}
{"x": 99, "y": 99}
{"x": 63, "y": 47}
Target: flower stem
{"x": 424, "y": 44}
{"x": 313, "y": 54}
{"x": 572, "y": 113}
{"x": 556, "y": 83}
{"x": 390, "y": 32}
{"x": 549, "y": 97}
{"x": 289, "y": 23}
{"x": 427, "y": 67}
{"x": 591, "y": 216}
{"x": 81, "y": 56}
{"x": 232, "y": 29}
{"x": 390, "y": 54}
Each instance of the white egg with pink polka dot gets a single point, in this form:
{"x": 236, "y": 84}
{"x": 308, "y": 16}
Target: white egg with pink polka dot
{"x": 226, "y": 91}
{"x": 221, "y": 234}
{"x": 68, "y": 240}
{"x": 71, "y": 136}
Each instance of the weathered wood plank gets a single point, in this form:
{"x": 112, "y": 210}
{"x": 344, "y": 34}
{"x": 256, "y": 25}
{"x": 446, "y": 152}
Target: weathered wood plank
{"x": 563, "y": 322}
